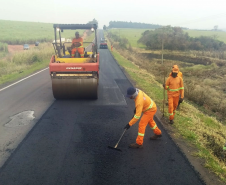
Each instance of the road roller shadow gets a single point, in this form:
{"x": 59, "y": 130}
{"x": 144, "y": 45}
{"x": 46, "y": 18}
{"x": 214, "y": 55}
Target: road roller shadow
{"x": 107, "y": 95}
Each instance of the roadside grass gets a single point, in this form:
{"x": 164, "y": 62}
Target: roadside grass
{"x": 204, "y": 132}
{"x": 220, "y": 35}
{"x": 25, "y": 62}
{"x": 24, "y": 71}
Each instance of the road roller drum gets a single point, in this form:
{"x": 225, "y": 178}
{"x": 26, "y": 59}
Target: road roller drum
{"x": 75, "y": 88}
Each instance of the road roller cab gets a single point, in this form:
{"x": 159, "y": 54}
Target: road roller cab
{"x": 73, "y": 75}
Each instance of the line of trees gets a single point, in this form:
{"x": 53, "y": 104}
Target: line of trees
{"x": 124, "y": 24}
{"x": 176, "y": 39}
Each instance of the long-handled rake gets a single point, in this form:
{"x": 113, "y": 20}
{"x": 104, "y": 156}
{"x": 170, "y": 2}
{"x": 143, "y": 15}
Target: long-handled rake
{"x": 115, "y": 148}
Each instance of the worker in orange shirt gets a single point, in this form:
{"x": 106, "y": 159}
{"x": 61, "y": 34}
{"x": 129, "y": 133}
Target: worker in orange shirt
{"x": 175, "y": 91}
{"x": 77, "y": 45}
{"x": 180, "y": 75}
{"x": 143, "y": 104}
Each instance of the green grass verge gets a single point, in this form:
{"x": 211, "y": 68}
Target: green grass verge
{"x": 25, "y": 72}
{"x": 21, "y": 64}
{"x": 196, "y": 128}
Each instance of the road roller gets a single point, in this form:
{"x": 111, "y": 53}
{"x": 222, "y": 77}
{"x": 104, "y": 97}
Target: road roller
{"x": 74, "y": 76}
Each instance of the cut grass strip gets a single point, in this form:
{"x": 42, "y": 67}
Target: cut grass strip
{"x": 25, "y": 63}
{"x": 25, "y": 72}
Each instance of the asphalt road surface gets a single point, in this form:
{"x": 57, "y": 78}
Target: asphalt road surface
{"x": 66, "y": 143}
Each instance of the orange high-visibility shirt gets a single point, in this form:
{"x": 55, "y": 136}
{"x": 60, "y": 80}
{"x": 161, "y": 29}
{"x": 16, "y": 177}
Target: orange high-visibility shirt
{"x": 142, "y": 103}
{"x": 179, "y": 74}
{"x": 80, "y": 50}
{"x": 79, "y": 40}
{"x": 174, "y": 87}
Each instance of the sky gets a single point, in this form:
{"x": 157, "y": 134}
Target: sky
{"x": 193, "y": 14}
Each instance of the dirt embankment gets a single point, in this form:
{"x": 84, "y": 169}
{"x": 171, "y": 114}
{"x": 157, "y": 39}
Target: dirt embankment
{"x": 187, "y": 59}
{"x": 194, "y": 60}
{"x": 17, "y": 48}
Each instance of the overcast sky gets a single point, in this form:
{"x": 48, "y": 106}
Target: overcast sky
{"x": 199, "y": 14}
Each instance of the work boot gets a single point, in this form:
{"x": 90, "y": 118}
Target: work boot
{"x": 154, "y": 137}
{"x": 171, "y": 122}
{"x": 135, "y": 145}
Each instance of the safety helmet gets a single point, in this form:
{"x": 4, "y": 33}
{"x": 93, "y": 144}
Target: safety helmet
{"x": 131, "y": 91}
{"x": 175, "y": 69}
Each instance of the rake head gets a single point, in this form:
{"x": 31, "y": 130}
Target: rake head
{"x": 114, "y": 148}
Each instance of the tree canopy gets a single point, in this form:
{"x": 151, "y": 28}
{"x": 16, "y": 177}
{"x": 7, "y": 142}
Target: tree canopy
{"x": 175, "y": 38}
{"x": 94, "y": 21}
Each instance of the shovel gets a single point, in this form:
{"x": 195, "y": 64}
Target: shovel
{"x": 115, "y": 148}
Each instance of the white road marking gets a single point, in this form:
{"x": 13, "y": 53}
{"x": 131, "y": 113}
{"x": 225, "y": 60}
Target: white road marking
{"x": 23, "y": 79}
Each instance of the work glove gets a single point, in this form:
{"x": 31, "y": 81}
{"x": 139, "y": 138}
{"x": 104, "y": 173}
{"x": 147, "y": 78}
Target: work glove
{"x": 181, "y": 100}
{"x": 135, "y": 111}
{"x": 127, "y": 126}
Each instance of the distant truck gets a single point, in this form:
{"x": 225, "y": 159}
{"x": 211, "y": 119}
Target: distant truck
{"x": 103, "y": 43}
{"x": 26, "y": 47}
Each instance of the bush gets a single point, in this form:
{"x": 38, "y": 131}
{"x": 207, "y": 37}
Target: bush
{"x": 123, "y": 42}
{"x": 3, "y": 47}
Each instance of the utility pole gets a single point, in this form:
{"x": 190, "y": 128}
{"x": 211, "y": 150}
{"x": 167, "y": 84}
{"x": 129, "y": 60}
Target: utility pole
{"x": 163, "y": 78}
{"x": 164, "y": 38}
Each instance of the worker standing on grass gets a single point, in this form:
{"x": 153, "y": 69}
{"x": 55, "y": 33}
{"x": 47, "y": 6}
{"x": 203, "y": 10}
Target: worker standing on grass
{"x": 77, "y": 45}
{"x": 175, "y": 91}
{"x": 180, "y": 75}
{"x": 143, "y": 103}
